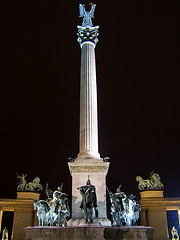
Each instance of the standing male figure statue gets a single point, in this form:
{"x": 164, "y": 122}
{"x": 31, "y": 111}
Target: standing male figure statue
{"x": 174, "y": 233}
{"x": 5, "y": 234}
{"x": 89, "y": 200}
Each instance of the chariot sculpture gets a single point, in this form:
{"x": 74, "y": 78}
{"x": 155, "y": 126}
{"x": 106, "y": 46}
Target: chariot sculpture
{"x": 31, "y": 186}
{"x": 154, "y": 183}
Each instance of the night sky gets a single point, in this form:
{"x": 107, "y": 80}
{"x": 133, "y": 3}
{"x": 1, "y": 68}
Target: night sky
{"x": 138, "y": 69}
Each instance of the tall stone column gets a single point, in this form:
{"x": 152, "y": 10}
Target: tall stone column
{"x": 88, "y": 164}
{"x": 88, "y": 103}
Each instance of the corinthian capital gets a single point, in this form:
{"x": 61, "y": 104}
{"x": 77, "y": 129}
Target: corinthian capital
{"x": 87, "y": 34}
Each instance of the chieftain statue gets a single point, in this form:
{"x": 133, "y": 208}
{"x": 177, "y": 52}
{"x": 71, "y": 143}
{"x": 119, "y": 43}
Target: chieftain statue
{"x": 154, "y": 183}
{"x": 54, "y": 211}
{"x": 124, "y": 209}
{"x": 89, "y": 200}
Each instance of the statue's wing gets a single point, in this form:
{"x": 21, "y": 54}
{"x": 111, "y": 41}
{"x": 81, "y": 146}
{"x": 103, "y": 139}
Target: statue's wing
{"x": 81, "y": 10}
{"x": 92, "y": 10}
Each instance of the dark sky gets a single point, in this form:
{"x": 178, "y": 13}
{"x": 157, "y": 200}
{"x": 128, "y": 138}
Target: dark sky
{"x": 138, "y": 69}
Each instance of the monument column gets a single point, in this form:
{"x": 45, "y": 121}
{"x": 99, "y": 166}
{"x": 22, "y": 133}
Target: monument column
{"x": 88, "y": 164}
{"x": 88, "y": 103}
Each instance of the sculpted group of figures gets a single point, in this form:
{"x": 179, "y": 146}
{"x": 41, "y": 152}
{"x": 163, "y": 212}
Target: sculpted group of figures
{"x": 31, "y": 186}
{"x": 150, "y": 184}
{"x": 55, "y": 211}
{"x": 124, "y": 209}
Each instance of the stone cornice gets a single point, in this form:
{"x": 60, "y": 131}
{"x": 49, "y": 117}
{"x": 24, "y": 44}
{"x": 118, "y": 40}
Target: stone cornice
{"x": 77, "y": 167}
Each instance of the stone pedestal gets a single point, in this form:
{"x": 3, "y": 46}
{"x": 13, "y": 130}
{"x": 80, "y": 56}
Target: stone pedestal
{"x": 153, "y": 213}
{"x": 89, "y": 233}
{"x": 97, "y": 173}
{"x": 23, "y": 213}
{"x": 27, "y": 195}
{"x": 152, "y": 194}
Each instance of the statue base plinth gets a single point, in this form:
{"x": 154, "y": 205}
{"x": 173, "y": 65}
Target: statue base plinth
{"x": 82, "y": 223}
{"x": 152, "y": 194}
{"x": 27, "y": 195}
{"x": 89, "y": 233}
{"x": 96, "y": 172}
{"x": 88, "y": 156}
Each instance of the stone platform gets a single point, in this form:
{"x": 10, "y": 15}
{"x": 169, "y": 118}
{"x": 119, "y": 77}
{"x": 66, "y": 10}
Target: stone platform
{"x": 89, "y": 233}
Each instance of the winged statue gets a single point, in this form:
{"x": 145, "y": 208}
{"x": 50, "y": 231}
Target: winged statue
{"x": 87, "y": 15}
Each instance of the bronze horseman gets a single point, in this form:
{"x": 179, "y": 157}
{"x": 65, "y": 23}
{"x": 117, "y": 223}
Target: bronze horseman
{"x": 53, "y": 212}
{"x": 124, "y": 209}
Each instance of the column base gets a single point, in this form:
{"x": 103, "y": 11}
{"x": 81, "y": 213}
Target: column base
{"x": 89, "y": 156}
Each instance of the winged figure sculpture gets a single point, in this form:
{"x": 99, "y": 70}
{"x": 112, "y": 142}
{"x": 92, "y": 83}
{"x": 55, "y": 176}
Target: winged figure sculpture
{"x": 87, "y": 15}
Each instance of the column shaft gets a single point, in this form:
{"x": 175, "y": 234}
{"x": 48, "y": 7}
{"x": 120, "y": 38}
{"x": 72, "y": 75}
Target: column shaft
{"x": 88, "y": 102}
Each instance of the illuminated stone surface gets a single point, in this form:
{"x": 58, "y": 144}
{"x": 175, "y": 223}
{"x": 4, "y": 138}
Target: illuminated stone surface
{"x": 23, "y": 209}
{"x": 97, "y": 174}
{"x": 89, "y": 233}
{"x": 153, "y": 212}
{"x": 88, "y": 161}
{"x": 88, "y": 138}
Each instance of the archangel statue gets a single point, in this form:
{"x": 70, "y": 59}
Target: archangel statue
{"x": 53, "y": 212}
{"x": 87, "y": 32}
{"x": 124, "y": 209}
{"x": 89, "y": 200}
{"x": 154, "y": 183}
{"x": 87, "y": 15}
{"x": 31, "y": 186}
